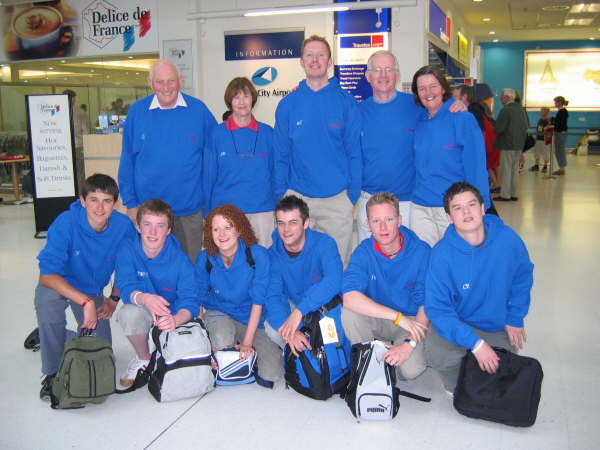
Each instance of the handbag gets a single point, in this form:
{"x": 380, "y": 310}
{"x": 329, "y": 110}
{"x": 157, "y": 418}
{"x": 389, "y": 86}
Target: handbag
{"x": 510, "y": 396}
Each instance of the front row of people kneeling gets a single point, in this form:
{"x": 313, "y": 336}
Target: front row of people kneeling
{"x": 470, "y": 292}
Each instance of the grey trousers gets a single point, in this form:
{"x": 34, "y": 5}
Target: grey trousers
{"x": 445, "y": 357}
{"x": 225, "y": 332}
{"x": 188, "y": 231}
{"x": 360, "y": 328}
{"x": 334, "y": 216}
{"x": 50, "y": 309}
{"x": 428, "y": 222}
{"x": 263, "y": 225}
{"x": 509, "y": 173}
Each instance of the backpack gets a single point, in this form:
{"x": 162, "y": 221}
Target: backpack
{"x": 510, "y": 396}
{"x": 371, "y": 393}
{"x": 323, "y": 371}
{"x": 86, "y": 373}
{"x": 180, "y": 364}
{"x": 249, "y": 260}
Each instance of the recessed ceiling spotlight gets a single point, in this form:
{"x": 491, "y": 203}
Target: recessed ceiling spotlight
{"x": 495, "y": 40}
{"x": 63, "y": 61}
{"x": 50, "y": 68}
{"x": 592, "y": 38}
{"x": 477, "y": 1}
{"x": 130, "y": 57}
{"x": 492, "y": 32}
{"x": 486, "y": 19}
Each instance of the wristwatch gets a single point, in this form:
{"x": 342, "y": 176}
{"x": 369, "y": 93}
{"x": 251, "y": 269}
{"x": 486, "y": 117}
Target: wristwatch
{"x": 411, "y": 342}
{"x": 115, "y": 298}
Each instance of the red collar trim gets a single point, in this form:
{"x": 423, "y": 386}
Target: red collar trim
{"x": 376, "y": 246}
{"x": 231, "y": 125}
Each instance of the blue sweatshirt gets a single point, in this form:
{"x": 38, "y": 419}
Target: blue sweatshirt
{"x": 169, "y": 274}
{"x": 84, "y": 257}
{"x": 448, "y": 148}
{"x": 485, "y": 287}
{"x": 162, "y": 154}
{"x": 235, "y": 289}
{"x": 317, "y": 143}
{"x": 387, "y": 140}
{"x": 310, "y": 280}
{"x": 242, "y": 177}
{"x": 397, "y": 283}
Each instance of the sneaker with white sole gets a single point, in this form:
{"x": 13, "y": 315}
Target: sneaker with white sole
{"x": 46, "y": 389}
{"x": 134, "y": 366}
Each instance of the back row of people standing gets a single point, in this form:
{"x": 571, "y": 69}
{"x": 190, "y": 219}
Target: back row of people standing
{"x": 325, "y": 148}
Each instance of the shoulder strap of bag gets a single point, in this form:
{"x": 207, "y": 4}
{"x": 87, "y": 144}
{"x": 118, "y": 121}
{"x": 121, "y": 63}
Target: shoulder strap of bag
{"x": 413, "y": 396}
{"x": 249, "y": 260}
{"x": 335, "y": 301}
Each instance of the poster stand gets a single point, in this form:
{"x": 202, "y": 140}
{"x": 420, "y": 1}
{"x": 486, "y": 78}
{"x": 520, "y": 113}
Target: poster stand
{"x": 52, "y": 154}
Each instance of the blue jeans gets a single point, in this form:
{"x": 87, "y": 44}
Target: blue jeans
{"x": 560, "y": 143}
{"x": 50, "y": 309}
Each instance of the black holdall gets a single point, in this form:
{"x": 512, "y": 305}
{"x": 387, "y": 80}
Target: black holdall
{"x": 510, "y": 396}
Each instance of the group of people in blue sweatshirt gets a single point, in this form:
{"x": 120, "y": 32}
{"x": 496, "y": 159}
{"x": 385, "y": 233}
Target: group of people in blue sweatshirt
{"x": 227, "y": 235}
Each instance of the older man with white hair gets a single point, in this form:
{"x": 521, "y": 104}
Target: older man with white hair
{"x": 511, "y": 131}
{"x": 163, "y": 152}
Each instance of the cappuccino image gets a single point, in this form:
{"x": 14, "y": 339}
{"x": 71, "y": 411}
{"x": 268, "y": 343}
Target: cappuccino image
{"x": 36, "y": 22}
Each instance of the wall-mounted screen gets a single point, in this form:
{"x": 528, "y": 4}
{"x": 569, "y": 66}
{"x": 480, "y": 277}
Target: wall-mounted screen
{"x": 574, "y": 74}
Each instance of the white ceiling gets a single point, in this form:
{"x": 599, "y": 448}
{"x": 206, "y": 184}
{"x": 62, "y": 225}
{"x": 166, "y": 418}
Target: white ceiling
{"x": 526, "y": 20}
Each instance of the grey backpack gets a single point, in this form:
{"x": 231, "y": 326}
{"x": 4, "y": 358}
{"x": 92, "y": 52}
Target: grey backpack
{"x": 180, "y": 364}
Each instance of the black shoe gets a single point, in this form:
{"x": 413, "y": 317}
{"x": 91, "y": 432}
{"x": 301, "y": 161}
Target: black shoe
{"x": 514, "y": 199}
{"x": 501, "y": 199}
{"x": 495, "y": 190}
{"x": 46, "y": 389}
{"x": 534, "y": 168}
{"x": 544, "y": 169}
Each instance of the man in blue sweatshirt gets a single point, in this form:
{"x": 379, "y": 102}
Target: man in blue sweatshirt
{"x": 162, "y": 154}
{"x": 317, "y": 147}
{"x": 306, "y": 269}
{"x": 75, "y": 266}
{"x": 389, "y": 119}
{"x": 156, "y": 280}
{"x": 478, "y": 287}
{"x": 384, "y": 288}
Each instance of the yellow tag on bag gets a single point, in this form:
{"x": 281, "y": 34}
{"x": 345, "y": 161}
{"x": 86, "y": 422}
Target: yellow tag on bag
{"x": 328, "y": 330}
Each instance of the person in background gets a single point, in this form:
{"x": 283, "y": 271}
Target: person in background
{"x": 81, "y": 126}
{"x": 238, "y": 164}
{"x": 561, "y": 127}
{"x": 164, "y": 141}
{"x": 542, "y": 148}
{"x": 511, "y": 131}
{"x": 484, "y": 97}
{"x": 448, "y": 148}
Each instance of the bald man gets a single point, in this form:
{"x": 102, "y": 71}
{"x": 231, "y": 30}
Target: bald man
{"x": 163, "y": 152}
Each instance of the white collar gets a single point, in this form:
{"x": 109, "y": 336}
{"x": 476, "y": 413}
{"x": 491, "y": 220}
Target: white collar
{"x": 180, "y": 102}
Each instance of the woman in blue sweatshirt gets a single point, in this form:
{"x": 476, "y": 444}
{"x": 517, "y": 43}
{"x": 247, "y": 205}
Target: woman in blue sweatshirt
{"x": 232, "y": 274}
{"x": 238, "y": 163}
{"x": 448, "y": 148}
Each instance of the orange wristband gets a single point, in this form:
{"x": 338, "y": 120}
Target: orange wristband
{"x": 86, "y": 301}
{"x": 397, "y": 319}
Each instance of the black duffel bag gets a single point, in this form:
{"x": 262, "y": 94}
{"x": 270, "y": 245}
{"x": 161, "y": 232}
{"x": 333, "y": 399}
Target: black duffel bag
{"x": 510, "y": 396}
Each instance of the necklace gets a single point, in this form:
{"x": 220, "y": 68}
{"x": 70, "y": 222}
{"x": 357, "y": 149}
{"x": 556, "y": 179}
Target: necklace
{"x": 244, "y": 154}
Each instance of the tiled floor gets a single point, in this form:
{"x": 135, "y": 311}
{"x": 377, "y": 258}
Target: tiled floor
{"x": 559, "y": 221}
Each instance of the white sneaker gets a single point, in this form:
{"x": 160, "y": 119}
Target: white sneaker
{"x": 134, "y": 366}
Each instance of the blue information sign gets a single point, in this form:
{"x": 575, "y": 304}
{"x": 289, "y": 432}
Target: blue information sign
{"x": 278, "y": 45}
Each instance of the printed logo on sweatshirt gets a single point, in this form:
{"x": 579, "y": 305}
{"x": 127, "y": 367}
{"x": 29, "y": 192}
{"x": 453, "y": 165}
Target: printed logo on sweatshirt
{"x": 410, "y": 285}
{"x": 373, "y": 277}
{"x": 316, "y": 276}
{"x": 223, "y": 154}
{"x": 167, "y": 287}
{"x": 299, "y": 123}
{"x": 77, "y": 252}
{"x": 335, "y": 123}
{"x": 466, "y": 286}
{"x": 142, "y": 274}
{"x": 192, "y": 138}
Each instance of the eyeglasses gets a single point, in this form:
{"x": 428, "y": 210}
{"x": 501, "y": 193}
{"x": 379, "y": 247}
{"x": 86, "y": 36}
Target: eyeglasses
{"x": 380, "y": 70}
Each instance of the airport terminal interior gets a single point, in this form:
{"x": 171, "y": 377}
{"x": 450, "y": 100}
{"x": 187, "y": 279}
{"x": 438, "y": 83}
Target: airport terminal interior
{"x": 558, "y": 219}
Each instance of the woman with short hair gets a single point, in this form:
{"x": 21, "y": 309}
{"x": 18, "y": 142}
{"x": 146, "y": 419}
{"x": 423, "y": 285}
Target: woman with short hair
{"x": 448, "y": 148}
{"x": 238, "y": 163}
